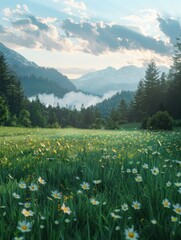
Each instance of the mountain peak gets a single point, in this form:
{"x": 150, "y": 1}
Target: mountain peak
{"x": 12, "y": 57}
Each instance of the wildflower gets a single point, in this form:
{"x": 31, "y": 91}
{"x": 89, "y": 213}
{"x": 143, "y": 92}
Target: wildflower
{"x": 166, "y": 203}
{"x": 128, "y": 170}
{"x": 168, "y": 184}
{"x": 117, "y": 210}
{"x": 42, "y": 218}
{"x": 174, "y": 219}
{"x": 67, "y": 220}
{"x": 33, "y": 187}
{"x": 134, "y": 170}
{"x": 85, "y": 186}
{"x": 24, "y": 226}
{"x": 179, "y": 190}
{"x": 178, "y": 174}
{"x": 18, "y": 238}
{"x": 15, "y": 195}
{"x": 56, "y": 222}
{"x": 79, "y": 192}
{"x": 177, "y": 208}
{"x": 78, "y": 178}
{"x": 27, "y": 213}
{"x": 153, "y": 221}
{"x": 97, "y": 181}
{"x": 155, "y": 171}
{"x": 65, "y": 209}
{"x": 94, "y": 202}
{"x": 115, "y": 216}
{"x": 130, "y": 233}
{"x": 42, "y": 226}
{"x": 117, "y": 228}
{"x": 138, "y": 178}
{"x": 56, "y": 195}
{"x": 27, "y": 205}
{"x": 124, "y": 207}
{"x": 41, "y": 181}
{"x": 136, "y": 205}
{"x": 145, "y": 166}
{"x": 22, "y": 185}
{"x": 178, "y": 184}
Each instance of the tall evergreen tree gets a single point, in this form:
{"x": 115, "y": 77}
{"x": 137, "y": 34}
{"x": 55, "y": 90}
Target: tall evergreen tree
{"x": 174, "y": 90}
{"x": 151, "y": 98}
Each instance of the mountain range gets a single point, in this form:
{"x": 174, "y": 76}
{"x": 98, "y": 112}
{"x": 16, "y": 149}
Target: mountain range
{"x": 35, "y": 79}
{"x": 111, "y": 79}
{"x": 40, "y": 80}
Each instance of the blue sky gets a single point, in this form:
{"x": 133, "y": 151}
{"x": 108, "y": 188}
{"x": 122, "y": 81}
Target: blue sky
{"x": 78, "y": 36}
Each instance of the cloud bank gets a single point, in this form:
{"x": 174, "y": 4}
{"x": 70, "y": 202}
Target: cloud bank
{"x": 73, "y": 99}
{"x": 84, "y": 35}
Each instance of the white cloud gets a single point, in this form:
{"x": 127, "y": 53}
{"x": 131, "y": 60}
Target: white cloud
{"x": 144, "y": 23}
{"x": 75, "y": 4}
{"x": 18, "y": 11}
{"x": 75, "y": 8}
{"x": 73, "y": 99}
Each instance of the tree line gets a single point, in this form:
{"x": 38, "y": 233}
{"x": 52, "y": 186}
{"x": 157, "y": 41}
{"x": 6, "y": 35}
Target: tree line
{"x": 155, "y": 93}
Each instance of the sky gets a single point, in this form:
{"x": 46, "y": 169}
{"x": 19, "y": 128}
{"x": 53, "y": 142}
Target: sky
{"x": 79, "y": 36}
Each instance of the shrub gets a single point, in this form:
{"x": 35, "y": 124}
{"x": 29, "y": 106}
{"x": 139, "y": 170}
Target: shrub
{"x": 160, "y": 121}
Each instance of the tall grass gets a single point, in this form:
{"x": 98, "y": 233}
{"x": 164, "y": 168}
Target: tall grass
{"x": 130, "y": 166}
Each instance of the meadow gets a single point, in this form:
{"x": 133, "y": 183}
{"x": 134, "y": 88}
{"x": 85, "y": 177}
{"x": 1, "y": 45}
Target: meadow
{"x": 71, "y": 184}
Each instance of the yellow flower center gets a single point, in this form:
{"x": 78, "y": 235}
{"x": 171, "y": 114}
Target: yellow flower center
{"x": 178, "y": 210}
{"x": 131, "y": 234}
{"x": 24, "y": 227}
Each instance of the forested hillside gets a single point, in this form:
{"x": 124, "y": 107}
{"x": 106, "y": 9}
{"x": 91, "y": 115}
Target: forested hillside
{"x": 36, "y": 80}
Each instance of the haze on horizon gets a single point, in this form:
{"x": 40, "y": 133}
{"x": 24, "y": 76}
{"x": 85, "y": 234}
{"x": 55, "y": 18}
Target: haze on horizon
{"x": 79, "y": 36}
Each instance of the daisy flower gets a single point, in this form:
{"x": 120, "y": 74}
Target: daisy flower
{"x": 134, "y": 170}
{"x": 166, "y": 203}
{"x": 136, "y": 205}
{"x": 85, "y": 186}
{"x": 155, "y": 171}
{"x": 124, "y": 207}
{"x": 41, "y": 181}
{"x": 177, "y": 208}
{"x": 33, "y": 187}
{"x": 138, "y": 178}
{"x": 145, "y": 166}
{"x": 56, "y": 195}
{"x": 15, "y": 195}
{"x": 27, "y": 213}
{"x": 94, "y": 202}
{"x": 24, "y": 226}
{"x": 168, "y": 184}
{"x": 65, "y": 209}
{"x": 22, "y": 185}
{"x": 174, "y": 219}
{"x": 27, "y": 204}
{"x": 130, "y": 233}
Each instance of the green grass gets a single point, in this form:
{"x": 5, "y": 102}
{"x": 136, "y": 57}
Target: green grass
{"x": 65, "y": 158}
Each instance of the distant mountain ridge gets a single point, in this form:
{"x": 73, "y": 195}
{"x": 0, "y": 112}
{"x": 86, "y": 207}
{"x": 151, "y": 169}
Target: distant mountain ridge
{"x": 36, "y": 80}
{"x": 111, "y": 79}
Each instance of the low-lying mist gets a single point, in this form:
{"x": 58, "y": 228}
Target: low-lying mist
{"x": 72, "y": 99}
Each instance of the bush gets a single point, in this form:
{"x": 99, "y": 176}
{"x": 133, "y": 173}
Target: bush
{"x": 160, "y": 121}
{"x": 144, "y": 123}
